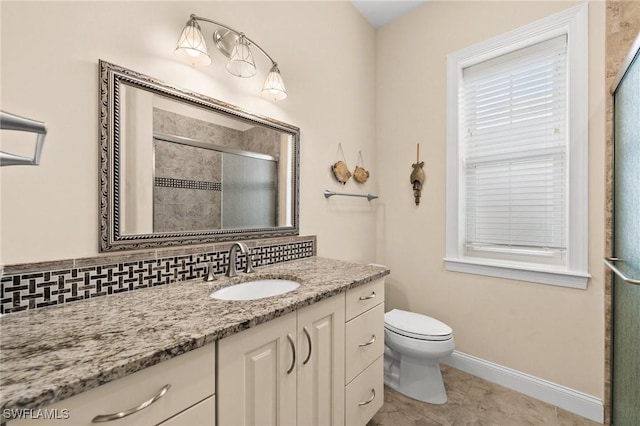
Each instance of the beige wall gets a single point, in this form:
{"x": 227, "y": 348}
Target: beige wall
{"x": 550, "y": 332}
{"x": 327, "y": 54}
{"x": 49, "y": 72}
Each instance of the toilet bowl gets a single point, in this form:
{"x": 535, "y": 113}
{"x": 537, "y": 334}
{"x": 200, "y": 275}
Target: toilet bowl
{"x": 414, "y": 345}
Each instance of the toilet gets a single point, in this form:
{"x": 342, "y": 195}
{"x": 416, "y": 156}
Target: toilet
{"x": 414, "y": 345}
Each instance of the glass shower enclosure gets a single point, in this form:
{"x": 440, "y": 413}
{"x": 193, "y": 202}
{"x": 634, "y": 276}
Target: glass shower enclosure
{"x": 625, "y": 265}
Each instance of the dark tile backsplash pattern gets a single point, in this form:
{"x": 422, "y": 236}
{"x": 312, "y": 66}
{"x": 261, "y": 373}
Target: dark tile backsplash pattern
{"x": 31, "y": 289}
{"x": 187, "y": 184}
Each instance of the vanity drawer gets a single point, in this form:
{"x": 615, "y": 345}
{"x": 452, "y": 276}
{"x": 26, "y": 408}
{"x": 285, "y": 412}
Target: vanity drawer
{"x": 364, "y": 395}
{"x": 363, "y": 298}
{"x": 191, "y": 376}
{"x": 364, "y": 341}
{"x": 201, "y": 414}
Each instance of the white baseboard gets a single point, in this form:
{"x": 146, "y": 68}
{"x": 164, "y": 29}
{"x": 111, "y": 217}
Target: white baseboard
{"x": 568, "y": 399}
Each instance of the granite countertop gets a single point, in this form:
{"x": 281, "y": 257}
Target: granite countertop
{"x": 49, "y": 354}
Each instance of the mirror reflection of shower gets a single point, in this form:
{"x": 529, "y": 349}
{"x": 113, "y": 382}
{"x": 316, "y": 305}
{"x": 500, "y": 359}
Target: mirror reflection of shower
{"x": 200, "y": 170}
{"x": 204, "y": 186}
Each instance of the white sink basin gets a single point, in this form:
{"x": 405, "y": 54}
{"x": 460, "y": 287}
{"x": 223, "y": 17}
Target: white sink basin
{"x": 253, "y": 290}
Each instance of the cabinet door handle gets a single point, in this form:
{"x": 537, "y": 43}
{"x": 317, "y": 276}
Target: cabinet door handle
{"x": 370, "y": 400}
{"x": 306, "y": 332}
{"x": 371, "y": 296}
{"x": 370, "y": 342}
{"x": 293, "y": 350}
{"x": 103, "y": 418}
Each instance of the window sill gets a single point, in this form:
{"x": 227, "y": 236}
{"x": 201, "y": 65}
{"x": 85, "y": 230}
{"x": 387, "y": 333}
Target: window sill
{"x": 520, "y": 272}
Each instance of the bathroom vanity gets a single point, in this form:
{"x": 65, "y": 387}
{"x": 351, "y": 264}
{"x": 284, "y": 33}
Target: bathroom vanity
{"x": 309, "y": 356}
{"x": 262, "y": 370}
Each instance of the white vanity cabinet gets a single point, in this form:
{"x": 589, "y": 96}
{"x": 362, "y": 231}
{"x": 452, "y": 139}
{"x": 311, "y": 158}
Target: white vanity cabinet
{"x": 187, "y": 384}
{"x": 321, "y": 365}
{"x": 364, "y": 381}
{"x": 287, "y": 371}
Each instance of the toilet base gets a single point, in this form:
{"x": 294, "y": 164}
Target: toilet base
{"x": 416, "y": 378}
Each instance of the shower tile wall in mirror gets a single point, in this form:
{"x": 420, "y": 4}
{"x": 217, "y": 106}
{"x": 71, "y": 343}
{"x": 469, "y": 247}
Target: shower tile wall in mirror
{"x": 33, "y": 286}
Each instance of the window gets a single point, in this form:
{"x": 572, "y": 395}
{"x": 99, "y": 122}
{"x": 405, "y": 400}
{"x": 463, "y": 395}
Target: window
{"x": 517, "y": 154}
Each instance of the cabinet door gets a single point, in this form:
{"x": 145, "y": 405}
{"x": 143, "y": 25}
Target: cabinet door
{"x": 321, "y": 363}
{"x": 254, "y": 385}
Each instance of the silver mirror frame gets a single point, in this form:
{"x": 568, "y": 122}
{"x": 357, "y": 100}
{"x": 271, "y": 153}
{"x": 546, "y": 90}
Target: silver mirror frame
{"x": 111, "y": 77}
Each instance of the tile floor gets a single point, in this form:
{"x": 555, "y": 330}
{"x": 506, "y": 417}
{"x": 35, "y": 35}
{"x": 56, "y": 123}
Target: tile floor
{"x": 472, "y": 401}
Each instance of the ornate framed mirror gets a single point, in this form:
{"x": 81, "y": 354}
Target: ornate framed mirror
{"x": 179, "y": 168}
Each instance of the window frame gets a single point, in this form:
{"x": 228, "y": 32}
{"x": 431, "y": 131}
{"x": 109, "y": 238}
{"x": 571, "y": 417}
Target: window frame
{"x": 574, "y": 23}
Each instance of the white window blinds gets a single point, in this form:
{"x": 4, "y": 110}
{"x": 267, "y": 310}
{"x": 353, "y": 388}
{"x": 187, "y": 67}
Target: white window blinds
{"x": 514, "y": 129}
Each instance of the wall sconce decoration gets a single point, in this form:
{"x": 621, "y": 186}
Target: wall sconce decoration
{"x": 360, "y": 174}
{"x": 10, "y": 121}
{"x": 417, "y": 176}
{"x": 340, "y": 169}
{"x": 235, "y": 45}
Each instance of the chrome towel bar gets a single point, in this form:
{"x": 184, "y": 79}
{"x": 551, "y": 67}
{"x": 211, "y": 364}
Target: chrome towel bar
{"x": 609, "y": 262}
{"x": 369, "y": 197}
{"x": 15, "y": 122}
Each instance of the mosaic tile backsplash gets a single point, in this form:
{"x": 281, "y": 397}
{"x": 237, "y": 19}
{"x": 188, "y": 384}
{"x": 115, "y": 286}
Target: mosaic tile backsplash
{"x": 53, "y": 283}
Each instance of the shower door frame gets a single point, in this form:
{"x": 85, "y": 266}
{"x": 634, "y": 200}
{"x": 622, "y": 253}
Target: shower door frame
{"x": 632, "y": 56}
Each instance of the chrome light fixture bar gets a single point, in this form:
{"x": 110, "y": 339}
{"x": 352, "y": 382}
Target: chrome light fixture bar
{"x": 235, "y": 45}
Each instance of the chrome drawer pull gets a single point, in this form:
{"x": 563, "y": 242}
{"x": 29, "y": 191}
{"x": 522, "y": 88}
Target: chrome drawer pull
{"x": 370, "y": 400}
{"x": 371, "y": 296}
{"x": 370, "y": 342}
{"x": 293, "y": 349}
{"x": 304, "y": 329}
{"x": 103, "y": 418}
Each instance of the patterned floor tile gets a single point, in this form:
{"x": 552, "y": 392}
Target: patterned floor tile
{"x": 472, "y": 402}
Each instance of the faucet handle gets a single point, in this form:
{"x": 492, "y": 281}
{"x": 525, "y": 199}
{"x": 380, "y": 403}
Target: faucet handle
{"x": 249, "y": 268}
{"x": 210, "y": 275}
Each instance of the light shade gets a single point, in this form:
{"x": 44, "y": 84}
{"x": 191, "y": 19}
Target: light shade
{"x": 241, "y": 62}
{"x": 192, "y": 47}
{"x": 273, "y": 88}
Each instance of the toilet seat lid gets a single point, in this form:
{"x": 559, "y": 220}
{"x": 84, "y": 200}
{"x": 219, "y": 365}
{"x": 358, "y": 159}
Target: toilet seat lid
{"x": 417, "y": 326}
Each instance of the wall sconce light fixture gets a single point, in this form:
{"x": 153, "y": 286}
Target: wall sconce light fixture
{"x": 192, "y": 48}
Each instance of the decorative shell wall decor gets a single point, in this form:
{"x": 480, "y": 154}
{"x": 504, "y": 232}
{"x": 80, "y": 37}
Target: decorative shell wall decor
{"x": 417, "y": 177}
{"x": 341, "y": 172}
{"x": 340, "y": 169}
{"x": 360, "y": 174}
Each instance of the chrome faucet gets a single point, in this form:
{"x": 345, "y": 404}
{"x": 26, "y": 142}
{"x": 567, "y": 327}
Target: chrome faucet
{"x": 233, "y": 255}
